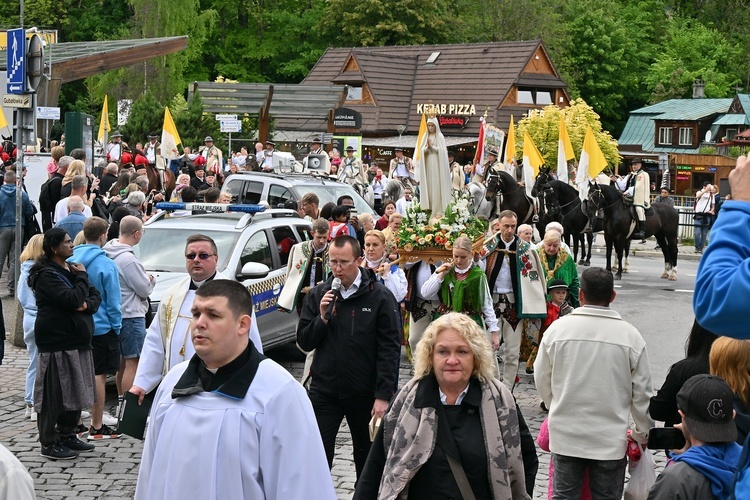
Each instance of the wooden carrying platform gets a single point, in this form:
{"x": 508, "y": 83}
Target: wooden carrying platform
{"x": 432, "y": 255}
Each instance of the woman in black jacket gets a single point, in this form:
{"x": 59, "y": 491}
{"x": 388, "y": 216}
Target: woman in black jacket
{"x": 64, "y": 325}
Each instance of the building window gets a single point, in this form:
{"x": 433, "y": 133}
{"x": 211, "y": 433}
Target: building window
{"x": 731, "y": 133}
{"x": 530, "y": 95}
{"x": 543, "y": 97}
{"x": 665, "y": 135}
{"x": 355, "y": 94}
{"x": 525, "y": 97}
{"x": 686, "y": 136}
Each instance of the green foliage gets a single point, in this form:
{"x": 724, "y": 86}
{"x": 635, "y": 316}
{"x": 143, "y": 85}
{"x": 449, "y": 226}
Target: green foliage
{"x": 146, "y": 117}
{"x": 707, "y": 150}
{"x": 543, "y": 127}
{"x": 692, "y": 50}
{"x": 193, "y": 124}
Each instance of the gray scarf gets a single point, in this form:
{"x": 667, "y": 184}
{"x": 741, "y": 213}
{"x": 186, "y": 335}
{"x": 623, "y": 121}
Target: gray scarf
{"x": 410, "y": 433}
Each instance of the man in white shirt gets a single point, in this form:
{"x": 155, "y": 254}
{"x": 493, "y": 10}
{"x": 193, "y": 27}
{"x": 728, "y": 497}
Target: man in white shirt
{"x": 229, "y": 423}
{"x": 592, "y": 372}
{"x": 168, "y": 338}
{"x": 114, "y": 148}
{"x": 77, "y": 188}
{"x": 403, "y": 203}
{"x": 152, "y": 149}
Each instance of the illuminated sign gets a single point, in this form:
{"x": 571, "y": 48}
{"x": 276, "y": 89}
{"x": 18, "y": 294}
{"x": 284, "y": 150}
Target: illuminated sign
{"x": 684, "y": 167}
{"x": 448, "y": 109}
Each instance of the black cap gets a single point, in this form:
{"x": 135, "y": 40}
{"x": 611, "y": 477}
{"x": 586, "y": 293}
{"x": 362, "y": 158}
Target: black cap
{"x": 153, "y": 135}
{"x": 707, "y": 402}
{"x": 399, "y": 149}
{"x": 557, "y": 285}
{"x": 271, "y": 143}
{"x": 636, "y": 160}
{"x": 317, "y": 140}
{"x": 350, "y": 148}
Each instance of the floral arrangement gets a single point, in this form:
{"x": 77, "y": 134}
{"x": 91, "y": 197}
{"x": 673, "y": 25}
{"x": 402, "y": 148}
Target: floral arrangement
{"x": 420, "y": 230}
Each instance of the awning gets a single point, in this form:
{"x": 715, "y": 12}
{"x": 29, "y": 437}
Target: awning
{"x": 410, "y": 141}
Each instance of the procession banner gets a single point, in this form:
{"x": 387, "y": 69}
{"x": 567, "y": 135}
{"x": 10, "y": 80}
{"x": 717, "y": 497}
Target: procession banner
{"x": 104, "y": 128}
{"x": 532, "y": 160}
{"x": 169, "y": 137}
{"x": 592, "y": 162}
{"x": 510, "y": 145}
{"x": 564, "y": 151}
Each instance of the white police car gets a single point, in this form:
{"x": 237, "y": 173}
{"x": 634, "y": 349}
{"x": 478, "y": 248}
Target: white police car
{"x": 253, "y": 248}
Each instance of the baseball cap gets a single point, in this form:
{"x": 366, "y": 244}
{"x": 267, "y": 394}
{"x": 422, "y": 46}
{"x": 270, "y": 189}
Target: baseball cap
{"x": 707, "y": 402}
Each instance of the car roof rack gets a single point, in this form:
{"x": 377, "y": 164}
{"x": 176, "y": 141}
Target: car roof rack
{"x": 251, "y": 212}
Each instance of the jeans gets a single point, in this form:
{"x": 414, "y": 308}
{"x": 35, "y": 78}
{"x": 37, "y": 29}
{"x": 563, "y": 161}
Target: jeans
{"x": 28, "y": 338}
{"x": 700, "y": 230}
{"x": 7, "y": 240}
{"x": 606, "y": 477}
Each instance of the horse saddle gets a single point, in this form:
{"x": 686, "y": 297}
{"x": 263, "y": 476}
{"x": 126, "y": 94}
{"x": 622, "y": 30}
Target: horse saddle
{"x": 634, "y": 215}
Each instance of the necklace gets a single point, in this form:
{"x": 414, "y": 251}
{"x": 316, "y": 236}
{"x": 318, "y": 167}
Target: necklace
{"x": 561, "y": 257}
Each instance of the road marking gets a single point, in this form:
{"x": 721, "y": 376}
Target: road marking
{"x": 693, "y": 275}
{"x": 685, "y": 291}
{"x": 618, "y": 286}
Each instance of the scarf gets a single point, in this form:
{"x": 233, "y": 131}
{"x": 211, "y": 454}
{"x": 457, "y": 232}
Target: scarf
{"x": 558, "y": 260}
{"x": 410, "y": 434}
{"x": 717, "y": 463}
{"x": 466, "y": 295}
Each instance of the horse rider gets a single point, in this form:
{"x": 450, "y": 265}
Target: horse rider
{"x": 402, "y": 168}
{"x": 351, "y": 170}
{"x": 457, "y": 173}
{"x": 316, "y": 148}
{"x": 636, "y": 185}
{"x": 481, "y": 172}
{"x": 213, "y": 156}
{"x": 115, "y": 147}
{"x": 152, "y": 149}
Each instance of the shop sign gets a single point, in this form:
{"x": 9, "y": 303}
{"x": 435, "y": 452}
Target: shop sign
{"x": 347, "y": 118}
{"x": 385, "y": 152}
{"x": 453, "y": 121}
{"x": 447, "y": 109}
{"x": 684, "y": 167}
{"x": 683, "y": 177}
{"x": 712, "y": 170}
{"x": 699, "y": 169}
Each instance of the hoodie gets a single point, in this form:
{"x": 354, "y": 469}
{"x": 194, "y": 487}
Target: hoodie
{"x": 103, "y": 275}
{"x": 717, "y": 463}
{"x": 134, "y": 282}
{"x": 8, "y": 205}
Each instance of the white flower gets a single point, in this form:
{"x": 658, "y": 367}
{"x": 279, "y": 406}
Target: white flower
{"x": 446, "y": 227}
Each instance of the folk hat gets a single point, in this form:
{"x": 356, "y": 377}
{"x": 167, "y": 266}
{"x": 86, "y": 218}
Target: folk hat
{"x": 636, "y": 160}
{"x": 557, "y": 285}
{"x": 208, "y": 139}
{"x": 199, "y": 162}
{"x": 707, "y": 402}
{"x": 140, "y": 160}
{"x": 271, "y": 143}
{"x": 493, "y": 151}
{"x": 317, "y": 140}
{"x": 152, "y": 135}
{"x": 116, "y": 133}
{"x": 399, "y": 149}
{"x": 350, "y": 148}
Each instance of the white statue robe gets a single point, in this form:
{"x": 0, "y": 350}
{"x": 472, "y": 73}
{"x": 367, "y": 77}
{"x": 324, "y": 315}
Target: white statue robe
{"x": 212, "y": 447}
{"x": 433, "y": 172}
{"x": 162, "y": 346}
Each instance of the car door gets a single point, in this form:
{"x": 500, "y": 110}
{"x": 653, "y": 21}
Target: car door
{"x": 283, "y": 238}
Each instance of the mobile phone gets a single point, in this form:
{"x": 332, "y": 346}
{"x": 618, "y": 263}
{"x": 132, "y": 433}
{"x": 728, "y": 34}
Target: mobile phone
{"x": 353, "y": 212}
{"x": 149, "y": 208}
{"x": 665, "y": 438}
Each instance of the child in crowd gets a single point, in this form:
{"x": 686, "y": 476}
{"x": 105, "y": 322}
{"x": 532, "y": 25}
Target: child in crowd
{"x": 557, "y": 307}
{"x": 339, "y": 218}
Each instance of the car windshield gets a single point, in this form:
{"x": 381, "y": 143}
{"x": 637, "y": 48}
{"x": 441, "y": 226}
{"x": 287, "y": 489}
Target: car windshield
{"x": 163, "y": 249}
{"x": 331, "y": 192}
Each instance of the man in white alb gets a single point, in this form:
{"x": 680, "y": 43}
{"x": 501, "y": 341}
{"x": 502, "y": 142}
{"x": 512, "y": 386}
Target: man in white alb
{"x": 168, "y": 338}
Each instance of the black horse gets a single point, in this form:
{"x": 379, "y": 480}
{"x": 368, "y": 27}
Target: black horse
{"x": 512, "y": 196}
{"x": 559, "y": 202}
{"x": 619, "y": 226}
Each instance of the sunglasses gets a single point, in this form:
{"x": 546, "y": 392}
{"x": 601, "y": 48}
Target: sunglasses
{"x": 201, "y": 256}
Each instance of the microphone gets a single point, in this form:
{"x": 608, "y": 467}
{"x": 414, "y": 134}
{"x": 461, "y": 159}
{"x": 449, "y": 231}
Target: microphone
{"x": 335, "y": 286}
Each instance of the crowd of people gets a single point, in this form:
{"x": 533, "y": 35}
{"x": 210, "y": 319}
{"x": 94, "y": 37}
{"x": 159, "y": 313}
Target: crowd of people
{"x": 454, "y": 430}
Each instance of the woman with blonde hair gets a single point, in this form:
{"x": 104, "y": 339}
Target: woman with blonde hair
{"x": 452, "y": 431}
{"x": 730, "y": 360}
{"x": 462, "y": 287}
{"x": 376, "y": 260}
{"x": 27, "y": 299}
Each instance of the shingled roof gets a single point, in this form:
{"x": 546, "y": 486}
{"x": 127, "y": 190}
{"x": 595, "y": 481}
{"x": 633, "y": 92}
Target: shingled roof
{"x": 395, "y": 79}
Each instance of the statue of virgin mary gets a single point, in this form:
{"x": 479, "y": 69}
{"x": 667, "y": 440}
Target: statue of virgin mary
{"x": 433, "y": 170}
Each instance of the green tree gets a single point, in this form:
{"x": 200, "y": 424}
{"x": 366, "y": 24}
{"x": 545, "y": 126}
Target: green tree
{"x": 194, "y": 124}
{"x": 543, "y": 127}
{"x": 146, "y": 117}
{"x": 692, "y": 50}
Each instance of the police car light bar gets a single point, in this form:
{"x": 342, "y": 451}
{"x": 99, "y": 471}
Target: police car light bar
{"x": 211, "y": 207}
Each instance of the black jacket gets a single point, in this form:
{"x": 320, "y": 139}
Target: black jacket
{"x": 59, "y": 327}
{"x": 663, "y": 406}
{"x": 357, "y": 353}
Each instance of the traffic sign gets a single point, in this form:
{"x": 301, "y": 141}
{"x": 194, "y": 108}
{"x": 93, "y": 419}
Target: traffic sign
{"x": 226, "y": 117}
{"x": 231, "y": 126}
{"x": 16, "y": 101}
{"x": 45, "y": 113}
{"x": 16, "y": 62}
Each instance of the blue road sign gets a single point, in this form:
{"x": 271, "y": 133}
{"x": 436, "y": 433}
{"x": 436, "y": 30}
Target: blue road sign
{"x": 16, "y": 51}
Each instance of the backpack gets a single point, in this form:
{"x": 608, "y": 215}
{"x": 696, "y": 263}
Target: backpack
{"x": 45, "y": 199}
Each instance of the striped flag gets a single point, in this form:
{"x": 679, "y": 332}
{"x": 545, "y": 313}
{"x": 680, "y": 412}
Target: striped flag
{"x": 532, "y": 160}
{"x": 169, "y": 137}
{"x": 564, "y": 151}
{"x": 479, "y": 155}
{"x": 592, "y": 162}
{"x": 103, "y": 124}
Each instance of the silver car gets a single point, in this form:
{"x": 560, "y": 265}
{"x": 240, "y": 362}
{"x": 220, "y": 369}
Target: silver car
{"x": 252, "y": 249}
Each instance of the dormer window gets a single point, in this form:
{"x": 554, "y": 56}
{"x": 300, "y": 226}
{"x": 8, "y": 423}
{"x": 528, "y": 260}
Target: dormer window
{"x": 354, "y": 93}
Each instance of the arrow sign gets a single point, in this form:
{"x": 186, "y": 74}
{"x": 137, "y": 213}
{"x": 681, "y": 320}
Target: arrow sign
{"x": 16, "y": 61}
{"x": 231, "y": 126}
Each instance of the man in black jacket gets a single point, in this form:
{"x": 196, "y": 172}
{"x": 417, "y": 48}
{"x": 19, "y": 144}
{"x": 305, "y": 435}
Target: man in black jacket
{"x": 355, "y": 370}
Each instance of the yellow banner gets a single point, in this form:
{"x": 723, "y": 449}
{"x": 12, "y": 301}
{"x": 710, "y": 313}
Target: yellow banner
{"x": 47, "y": 36}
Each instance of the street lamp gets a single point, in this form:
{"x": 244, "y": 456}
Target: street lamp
{"x": 400, "y": 129}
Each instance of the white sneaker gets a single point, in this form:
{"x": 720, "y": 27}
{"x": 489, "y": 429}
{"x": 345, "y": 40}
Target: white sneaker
{"x": 85, "y": 414}
{"x": 28, "y": 411}
{"x": 108, "y": 419}
{"x": 33, "y": 415}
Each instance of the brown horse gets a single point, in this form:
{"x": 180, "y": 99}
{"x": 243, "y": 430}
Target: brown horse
{"x": 161, "y": 180}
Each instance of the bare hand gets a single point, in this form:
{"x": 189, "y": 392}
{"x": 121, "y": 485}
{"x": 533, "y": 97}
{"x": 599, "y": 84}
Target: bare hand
{"x": 158, "y": 197}
{"x": 379, "y": 408}
{"x": 324, "y": 301}
{"x": 739, "y": 180}
{"x": 95, "y": 183}
{"x": 495, "y": 341}
{"x": 443, "y": 270}
{"x": 138, "y": 392}
{"x": 83, "y": 307}
{"x": 354, "y": 221}
{"x": 77, "y": 267}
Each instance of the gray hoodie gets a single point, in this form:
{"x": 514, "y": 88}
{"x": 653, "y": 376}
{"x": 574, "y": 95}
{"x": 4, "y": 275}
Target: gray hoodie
{"x": 134, "y": 282}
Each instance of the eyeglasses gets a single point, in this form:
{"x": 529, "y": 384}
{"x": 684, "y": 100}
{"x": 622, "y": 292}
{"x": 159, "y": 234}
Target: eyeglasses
{"x": 201, "y": 256}
{"x": 338, "y": 263}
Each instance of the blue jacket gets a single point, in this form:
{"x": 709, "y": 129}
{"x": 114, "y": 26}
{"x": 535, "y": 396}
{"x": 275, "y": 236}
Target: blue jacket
{"x": 723, "y": 282}
{"x": 104, "y": 277}
{"x": 72, "y": 223}
{"x": 8, "y": 205}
